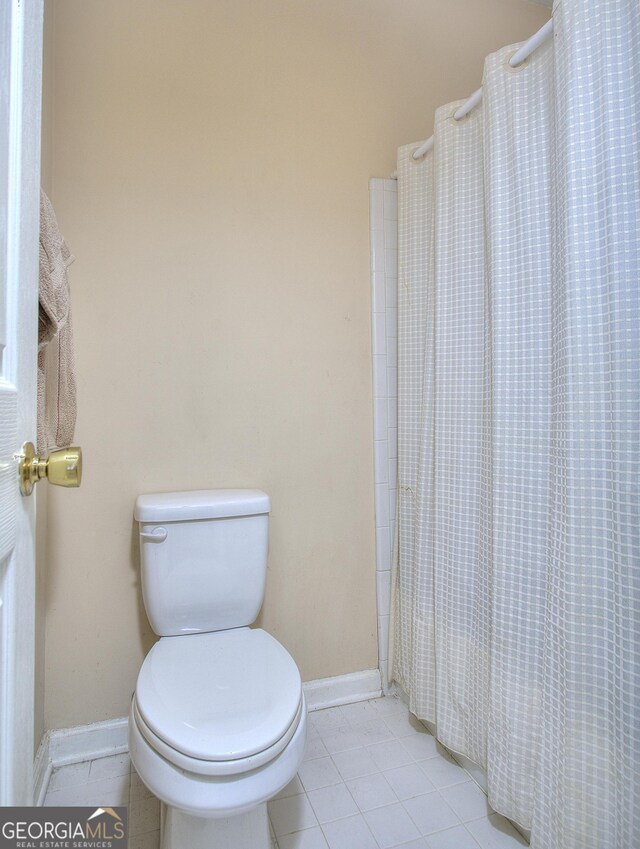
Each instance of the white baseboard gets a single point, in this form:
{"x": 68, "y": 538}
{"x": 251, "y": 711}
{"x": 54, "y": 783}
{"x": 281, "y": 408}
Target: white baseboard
{"x": 87, "y": 742}
{"x": 342, "y": 689}
{"x": 101, "y": 739}
{"x": 73, "y": 745}
{"x": 42, "y": 769}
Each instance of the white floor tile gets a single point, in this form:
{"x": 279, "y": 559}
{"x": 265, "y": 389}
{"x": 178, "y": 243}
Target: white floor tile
{"x": 144, "y": 816}
{"x": 443, "y": 771}
{"x": 389, "y": 754}
{"x": 116, "y": 787}
{"x": 341, "y": 739}
{"x": 391, "y": 826}
{"x": 328, "y": 719}
{"x": 138, "y": 789}
{"x": 108, "y": 792}
{"x": 310, "y": 838}
{"x": 69, "y": 776}
{"x": 420, "y": 745}
{"x": 453, "y": 838}
{"x": 388, "y": 705}
{"x": 495, "y": 832}
{"x": 359, "y": 712}
{"x": 467, "y": 800}
{"x": 371, "y": 791}
{"x": 315, "y": 748}
{"x": 354, "y": 763}
{"x": 420, "y": 843}
{"x": 150, "y": 840}
{"x": 332, "y": 803}
{"x": 430, "y": 813}
{"x": 109, "y": 767}
{"x": 293, "y": 788}
{"x": 350, "y": 833}
{"x": 291, "y": 814}
{"x": 374, "y": 731}
{"x": 408, "y": 781}
{"x": 403, "y": 724}
{"x": 320, "y": 772}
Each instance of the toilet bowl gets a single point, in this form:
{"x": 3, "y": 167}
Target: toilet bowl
{"x": 217, "y": 725}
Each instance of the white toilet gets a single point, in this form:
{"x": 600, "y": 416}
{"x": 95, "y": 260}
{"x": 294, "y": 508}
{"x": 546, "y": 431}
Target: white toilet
{"x": 218, "y": 719}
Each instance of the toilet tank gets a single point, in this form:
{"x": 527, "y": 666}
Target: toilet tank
{"x": 203, "y": 558}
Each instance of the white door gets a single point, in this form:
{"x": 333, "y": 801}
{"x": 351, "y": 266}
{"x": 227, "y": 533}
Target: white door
{"x": 20, "y": 93}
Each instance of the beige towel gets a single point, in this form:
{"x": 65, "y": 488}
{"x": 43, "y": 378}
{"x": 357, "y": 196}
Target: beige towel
{"x": 56, "y": 367}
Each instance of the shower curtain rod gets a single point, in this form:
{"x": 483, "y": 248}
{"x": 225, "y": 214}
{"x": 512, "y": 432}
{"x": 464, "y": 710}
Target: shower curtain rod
{"x": 518, "y": 58}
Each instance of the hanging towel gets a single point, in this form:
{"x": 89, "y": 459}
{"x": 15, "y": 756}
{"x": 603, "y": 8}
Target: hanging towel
{"x": 56, "y": 364}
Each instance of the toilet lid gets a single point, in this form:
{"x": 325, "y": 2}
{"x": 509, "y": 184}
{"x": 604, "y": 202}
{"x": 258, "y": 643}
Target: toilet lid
{"x": 219, "y": 696}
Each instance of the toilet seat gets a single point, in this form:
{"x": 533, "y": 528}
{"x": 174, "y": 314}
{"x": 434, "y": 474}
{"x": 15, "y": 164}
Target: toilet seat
{"x": 214, "y": 795}
{"x": 218, "y": 703}
{"x": 198, "y": 766}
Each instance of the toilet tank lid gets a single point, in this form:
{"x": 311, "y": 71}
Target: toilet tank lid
{"x": 200, "y": 504}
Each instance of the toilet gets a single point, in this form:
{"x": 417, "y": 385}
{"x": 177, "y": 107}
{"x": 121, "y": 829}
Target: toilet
{"x": 218, "y": 719}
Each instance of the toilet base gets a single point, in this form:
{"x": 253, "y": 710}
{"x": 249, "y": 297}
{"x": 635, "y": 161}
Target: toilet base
{"x": 249, "y": 830}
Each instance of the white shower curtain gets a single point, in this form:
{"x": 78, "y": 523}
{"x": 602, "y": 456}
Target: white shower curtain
{"x": 517, "y": 588}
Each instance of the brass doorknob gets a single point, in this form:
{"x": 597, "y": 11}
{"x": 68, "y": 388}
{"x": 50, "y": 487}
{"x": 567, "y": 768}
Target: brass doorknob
{"x": 61, "y": 468}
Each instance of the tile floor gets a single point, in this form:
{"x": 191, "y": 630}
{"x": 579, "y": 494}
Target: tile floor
{"x": 109, "y": 782}
{"x": 372, "y": 778}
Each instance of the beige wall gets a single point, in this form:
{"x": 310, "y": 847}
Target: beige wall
{"x": 209, "y": 169}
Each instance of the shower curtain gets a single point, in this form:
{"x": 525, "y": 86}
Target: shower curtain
{"x": 517, "y": 583}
